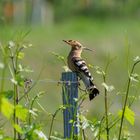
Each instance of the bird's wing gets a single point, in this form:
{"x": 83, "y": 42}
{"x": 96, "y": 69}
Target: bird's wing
{"x": 81, "y": 67}
{"x": 83, "y": 72}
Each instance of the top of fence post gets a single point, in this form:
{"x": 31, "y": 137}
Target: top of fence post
{"x": 70, "y": 95}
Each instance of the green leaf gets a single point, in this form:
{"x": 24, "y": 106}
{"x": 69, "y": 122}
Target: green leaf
{"x": 90, "y": 66}
{"x": 7, "y": 108}
{"x": 14, "y": 81}
{"x": 65, "y": 68}
{"x": 21, "y": 112}
{"x": 33, "y": 113}
{"x": 1, "y": 65}
{"x": 20, "y": 55}
{"x": 28, "y": 70}
{"x": 18, "y": 128}
{"x": 20, "y": 80}
{"x": 134, "y": 77}
{"x": 71, "y": 121}
{"x": 137, "y": 58}
{"x": 8, "y": 138}
{"x": 11, "y": 44}
{"x": 108, "y": 88}
{"x": 129, "y": 115}
{"x": 23, "y": 68}
{"x": 56, "y": 138}
{"x": 8, "y": 94}
{"x": 99, "y": 70}
{"x": 20, "y": 67}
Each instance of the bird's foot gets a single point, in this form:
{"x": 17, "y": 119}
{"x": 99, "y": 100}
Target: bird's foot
{"x": 79, "y": 79}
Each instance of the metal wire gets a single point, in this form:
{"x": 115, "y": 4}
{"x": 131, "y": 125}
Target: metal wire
{"x": 46, "y": 80}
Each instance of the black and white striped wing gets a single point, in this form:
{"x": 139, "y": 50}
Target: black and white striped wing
{"x": 84, "y": 73}
{"x": 81, "y": 67}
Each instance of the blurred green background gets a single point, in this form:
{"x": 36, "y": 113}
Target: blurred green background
{"x": 110, "y": 27}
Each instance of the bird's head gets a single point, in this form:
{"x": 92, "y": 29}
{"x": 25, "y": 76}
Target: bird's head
{"x": 76, "y": 45}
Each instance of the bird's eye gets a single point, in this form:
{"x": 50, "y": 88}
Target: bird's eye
{"x": 79, "y": 46}
{"x": 70, "y": 40}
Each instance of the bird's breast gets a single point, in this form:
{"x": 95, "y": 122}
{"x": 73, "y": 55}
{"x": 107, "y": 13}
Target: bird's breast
{"x": 70, "y": 64}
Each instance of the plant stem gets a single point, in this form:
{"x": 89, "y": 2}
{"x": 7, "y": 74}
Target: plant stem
{"x": 14, "y": 60}
{"x": 106, "y": 99}
{"x": 4, "y": 51}
{"x": 16, "y": 121}
{"x": 126, "y": 97}
{"x": 32, "y": 103}
{"x": 34, "y": 84}
{"x": 31, "y": 107}
{"x": 15, "y": 102}
{"x": 100, "y": 128}
{"x": 52, "y": 122}
{"x": 106, "y": 110}
{"x": 84, "y": 136}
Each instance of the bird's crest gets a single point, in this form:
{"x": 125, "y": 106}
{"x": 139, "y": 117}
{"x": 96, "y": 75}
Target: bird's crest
{"x": 76, "y": 45}
{"x": 73, "y": 43}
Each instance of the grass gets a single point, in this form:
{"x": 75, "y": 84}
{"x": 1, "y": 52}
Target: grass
{"x": 108, "y": 37}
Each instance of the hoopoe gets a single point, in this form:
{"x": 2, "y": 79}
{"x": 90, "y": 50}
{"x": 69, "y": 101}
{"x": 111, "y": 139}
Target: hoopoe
{"x": 78, "y": 65}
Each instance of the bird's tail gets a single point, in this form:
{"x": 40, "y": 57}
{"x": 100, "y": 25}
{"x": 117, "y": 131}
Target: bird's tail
{"x": 93, "y": 91}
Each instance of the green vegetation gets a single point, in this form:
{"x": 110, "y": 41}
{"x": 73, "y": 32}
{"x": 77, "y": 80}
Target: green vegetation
{"x": 32, "y": 108}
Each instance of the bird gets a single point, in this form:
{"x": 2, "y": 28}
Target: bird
{"x": 78, "y": 65}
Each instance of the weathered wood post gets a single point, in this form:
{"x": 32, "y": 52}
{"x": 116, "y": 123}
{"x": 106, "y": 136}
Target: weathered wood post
{"x": 70, "y": 96}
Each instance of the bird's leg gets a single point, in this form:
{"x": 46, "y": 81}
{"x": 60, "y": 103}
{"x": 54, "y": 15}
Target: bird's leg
{"x": 80, "y": 84}
{"x": 79, "y": 81}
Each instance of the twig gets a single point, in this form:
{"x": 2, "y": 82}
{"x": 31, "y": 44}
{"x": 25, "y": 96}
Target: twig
{"x": 84, "y": 136}
{"x": 32, "y": 103}
{"x": 126, "y": 97}
{"x": 52, "y": 122}
{"x": 34, "y": 84}
{"x": 106, "y": 99}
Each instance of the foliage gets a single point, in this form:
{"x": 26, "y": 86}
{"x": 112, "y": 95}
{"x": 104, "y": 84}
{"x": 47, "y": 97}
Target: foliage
{"x": 65, "y": 9}
{"x": 100, "y": 9}
{"x": 22, "y": 114}
{"x": 104, "y": 128}
{"x": 12, "y": 106}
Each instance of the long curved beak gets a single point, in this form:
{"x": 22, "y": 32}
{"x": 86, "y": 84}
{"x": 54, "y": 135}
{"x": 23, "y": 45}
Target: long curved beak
{"x": 85, "y": 48}
{"x": 66, "y": 41}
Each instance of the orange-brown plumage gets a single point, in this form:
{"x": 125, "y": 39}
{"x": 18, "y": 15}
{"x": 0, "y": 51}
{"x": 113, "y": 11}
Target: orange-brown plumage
{"x": 78, "y": 65}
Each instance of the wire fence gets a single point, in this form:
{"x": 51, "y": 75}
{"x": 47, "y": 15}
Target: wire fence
{"x": 46, "y": 80}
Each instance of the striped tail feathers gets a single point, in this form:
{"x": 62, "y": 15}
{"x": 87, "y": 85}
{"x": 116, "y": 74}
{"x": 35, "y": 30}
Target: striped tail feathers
{"x": 92, "y": 89}
{"x": 93, "y": 92}
{"x": 88, "y": 82}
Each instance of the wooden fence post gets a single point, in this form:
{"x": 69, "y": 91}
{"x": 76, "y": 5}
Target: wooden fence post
{"x": 70, "y": 96}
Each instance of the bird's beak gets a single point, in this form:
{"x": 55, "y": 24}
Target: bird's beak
{"x": 85, "y": 48}
{"x": 66, "y": 42}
